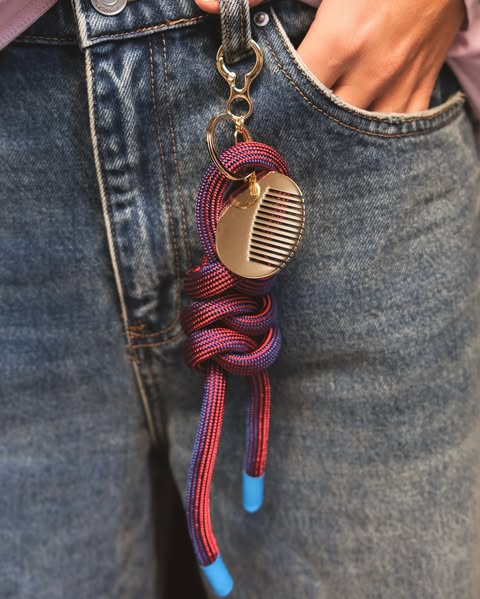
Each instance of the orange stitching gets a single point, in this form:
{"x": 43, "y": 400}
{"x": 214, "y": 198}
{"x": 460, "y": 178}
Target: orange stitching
{"x": 158, "y": 343}
{"x": 174, "y": 147}
{"x": 150, "y": 28}
{"x": 167, "y": 193}
{"x": 136, "y": 330}
{"x": 141, "y": 330}
{"x": 331, "y": 117}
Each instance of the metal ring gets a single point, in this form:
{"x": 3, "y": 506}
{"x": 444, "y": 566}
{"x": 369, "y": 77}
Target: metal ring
{"x": 211, "y": 145}
{"x": 243, "y": 92}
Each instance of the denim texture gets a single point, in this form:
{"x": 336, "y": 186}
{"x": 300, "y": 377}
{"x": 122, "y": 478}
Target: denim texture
{"x": 236, "y": 30}
{"x": 372, "y": 488}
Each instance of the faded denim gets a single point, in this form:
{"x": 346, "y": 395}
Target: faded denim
{"x": 373, "y": 477}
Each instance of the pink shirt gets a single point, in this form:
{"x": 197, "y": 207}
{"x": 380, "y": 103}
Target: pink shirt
{"x": 463, "y": 56}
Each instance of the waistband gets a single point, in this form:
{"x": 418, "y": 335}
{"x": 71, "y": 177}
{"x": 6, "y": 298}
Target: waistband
{"x": 78, "y": 22}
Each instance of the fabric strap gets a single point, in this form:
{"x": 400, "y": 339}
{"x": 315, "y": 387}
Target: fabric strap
{"x": 236, "y": 31}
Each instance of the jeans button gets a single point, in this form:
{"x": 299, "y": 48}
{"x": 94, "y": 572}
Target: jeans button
{"x": 109, "y": 7}
{"x": 261, "y": 19}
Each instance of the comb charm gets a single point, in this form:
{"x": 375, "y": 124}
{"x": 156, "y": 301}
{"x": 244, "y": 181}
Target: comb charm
{"x": 256, "y": 237}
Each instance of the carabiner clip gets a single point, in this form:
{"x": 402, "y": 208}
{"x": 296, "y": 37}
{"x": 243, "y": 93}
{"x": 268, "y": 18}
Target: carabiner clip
{"x": 240, "y": 93}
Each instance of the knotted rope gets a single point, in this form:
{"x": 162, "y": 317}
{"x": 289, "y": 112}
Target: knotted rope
{"x": 232, "y": 328}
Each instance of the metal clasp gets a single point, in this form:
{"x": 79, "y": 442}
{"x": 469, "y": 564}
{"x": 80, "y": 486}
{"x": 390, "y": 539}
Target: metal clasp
{"x": 236, "y": 94}
{"x": 240, "y": 93}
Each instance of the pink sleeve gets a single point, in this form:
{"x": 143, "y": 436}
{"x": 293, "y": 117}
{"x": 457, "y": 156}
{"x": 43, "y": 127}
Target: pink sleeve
{"x": 18, "y": 15}
{"x": 473, "y": 13}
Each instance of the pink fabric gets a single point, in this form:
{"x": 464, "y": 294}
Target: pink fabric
{"x": 464, "y": 59}
{"x": 18, "y": 15}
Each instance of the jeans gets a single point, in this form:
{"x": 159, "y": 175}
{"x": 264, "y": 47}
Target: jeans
{"x": 372, "y": 487}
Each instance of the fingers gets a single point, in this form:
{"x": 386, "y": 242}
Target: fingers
{"x": 323, "y": 49}
{"x": 213, "y": 6}
{"x": 363, "y": 65}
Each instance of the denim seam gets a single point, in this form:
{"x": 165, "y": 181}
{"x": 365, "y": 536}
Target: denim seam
{"x": 85, "y": 16}
{"x": 166, "y": 24}
{"x": 364, "y": 131}
{"x": 167, "y": 193}
{"x": 158, "y": 343}
{"x": 371, "y": 117}
{"x": 186, "y": 239}
{"x": 92, "y": 107}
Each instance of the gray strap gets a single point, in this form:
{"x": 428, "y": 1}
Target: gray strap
{"x": 236, "y": 32}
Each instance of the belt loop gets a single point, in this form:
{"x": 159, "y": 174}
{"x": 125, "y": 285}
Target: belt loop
{"x": 236, "y": 32}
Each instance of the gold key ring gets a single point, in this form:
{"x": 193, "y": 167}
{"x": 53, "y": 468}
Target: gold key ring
{"x": 242, "y": 130}
{"x": 236, "y": 93}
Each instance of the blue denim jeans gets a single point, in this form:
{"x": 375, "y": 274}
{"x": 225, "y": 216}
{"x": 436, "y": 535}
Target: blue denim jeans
{"x": 372, "y": 487}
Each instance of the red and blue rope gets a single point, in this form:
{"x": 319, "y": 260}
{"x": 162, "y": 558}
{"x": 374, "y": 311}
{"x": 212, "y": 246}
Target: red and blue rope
{"x": 232, "y": 327}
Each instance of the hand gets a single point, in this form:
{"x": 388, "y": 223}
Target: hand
{"x": 379, "y": 56}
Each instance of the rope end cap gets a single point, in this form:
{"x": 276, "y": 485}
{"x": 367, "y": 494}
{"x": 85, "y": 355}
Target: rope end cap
{"x": 252, "y": 493}
{"x": 219, "y": 577}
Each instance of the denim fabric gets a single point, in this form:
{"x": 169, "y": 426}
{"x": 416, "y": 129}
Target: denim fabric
{"x": 373, "y": 477}
{"x": 236, "y": 30}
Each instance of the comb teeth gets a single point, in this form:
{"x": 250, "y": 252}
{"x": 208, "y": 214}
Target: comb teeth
{"x": 277, "y": 227}
{"x": 257, "y": 236}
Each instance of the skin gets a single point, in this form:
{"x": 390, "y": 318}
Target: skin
{"x": 379, "y": 56}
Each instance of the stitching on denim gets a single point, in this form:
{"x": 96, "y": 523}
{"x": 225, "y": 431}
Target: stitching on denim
{"x": 186, "y": 238}
{"x": 85, "y": 17}
{"x": 366, "y": 116}
{"x": 112, "y": 243}
{"x": 158, "y": 343}
{"x": 106, "y": 192}
{"x": 167, "y": 192}
{"x": 183, "y": 20}
{"x": 136, "y": 330}
{"x": 348, "y": 126}
{"x": 353, "y": 112}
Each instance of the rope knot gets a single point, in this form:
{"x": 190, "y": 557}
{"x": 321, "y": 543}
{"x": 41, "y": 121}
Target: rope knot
{"x": 231, "y": 328}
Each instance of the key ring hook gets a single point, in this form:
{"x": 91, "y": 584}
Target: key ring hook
{"x": 240, "y": 129}
{"x": 236, "y": 93}
{"x": 240, "y": 93}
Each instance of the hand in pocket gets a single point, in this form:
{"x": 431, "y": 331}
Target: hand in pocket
{"x": 379, "y": 56}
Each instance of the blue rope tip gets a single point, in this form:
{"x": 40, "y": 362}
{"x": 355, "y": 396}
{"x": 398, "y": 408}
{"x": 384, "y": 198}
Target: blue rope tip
{"x": 252, "y": 493}
{"x": 218, "y": 577}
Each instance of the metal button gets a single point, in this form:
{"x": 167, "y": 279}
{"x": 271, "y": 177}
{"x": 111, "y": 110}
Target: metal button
{"x": 261, "y": 19}
{"x": 109, "y": 7}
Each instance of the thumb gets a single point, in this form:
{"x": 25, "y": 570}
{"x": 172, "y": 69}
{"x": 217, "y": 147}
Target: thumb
{"x": 213, "y": 6}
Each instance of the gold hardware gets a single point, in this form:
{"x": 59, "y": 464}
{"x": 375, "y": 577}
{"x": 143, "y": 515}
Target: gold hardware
{"x": 241, "y": 94}
{"x": 211, "y": 144}
{"x": 255, "y": 239}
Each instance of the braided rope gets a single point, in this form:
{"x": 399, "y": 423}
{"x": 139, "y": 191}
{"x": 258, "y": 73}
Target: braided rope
{"x": 231, "y": 327}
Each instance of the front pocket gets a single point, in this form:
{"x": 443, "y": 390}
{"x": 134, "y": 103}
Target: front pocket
{"x": 288, "y": 23}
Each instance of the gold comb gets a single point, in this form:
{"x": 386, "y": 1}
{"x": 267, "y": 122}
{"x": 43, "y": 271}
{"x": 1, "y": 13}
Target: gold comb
{"x": 257, "y": 235}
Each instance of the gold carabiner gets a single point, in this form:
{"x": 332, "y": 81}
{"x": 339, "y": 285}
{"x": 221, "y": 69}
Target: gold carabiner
{"x": 236, "y": 93}
{"x": 240, "y": 93}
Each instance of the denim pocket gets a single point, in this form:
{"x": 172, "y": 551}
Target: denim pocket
{"x": 289, "y": 22}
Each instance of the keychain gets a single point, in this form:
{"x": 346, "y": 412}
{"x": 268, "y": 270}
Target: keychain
{"x": 248, "y": 234}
